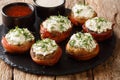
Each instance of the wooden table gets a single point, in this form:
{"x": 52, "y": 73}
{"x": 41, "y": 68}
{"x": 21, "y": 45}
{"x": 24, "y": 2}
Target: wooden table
{"x": 110, "y": 70}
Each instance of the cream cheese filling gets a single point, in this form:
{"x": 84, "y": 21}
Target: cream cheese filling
{"x": 98, "y": 24}
{"x": 82, "y": 40}
{"x": 19, "y": 36}
{"x": 44, "y": 47}
{"x": 82, "y": 11}
{"x": 57, "y": 23}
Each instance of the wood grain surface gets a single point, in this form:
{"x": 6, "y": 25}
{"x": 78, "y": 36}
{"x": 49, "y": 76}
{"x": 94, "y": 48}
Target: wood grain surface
{"x": 110, "y": 9}
{"x": 110, "y": 70}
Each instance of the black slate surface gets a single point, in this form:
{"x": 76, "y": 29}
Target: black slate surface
{"x": 66, "y": 64}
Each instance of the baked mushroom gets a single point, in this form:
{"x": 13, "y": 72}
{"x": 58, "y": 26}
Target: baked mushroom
{"x": 45, "y": 52}
{"x": 82, "y": 46}
{"x": 17, "y": 41}
{"x": 100, "y": 28}
{"x": 80, "y": 13}
{"x": 57, "y": 28}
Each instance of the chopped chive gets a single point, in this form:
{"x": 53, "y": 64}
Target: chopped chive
{"x": 72, "y": 42}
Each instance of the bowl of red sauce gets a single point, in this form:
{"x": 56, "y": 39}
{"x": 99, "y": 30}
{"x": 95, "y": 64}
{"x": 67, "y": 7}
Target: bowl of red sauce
{"x": 18, "y": 14}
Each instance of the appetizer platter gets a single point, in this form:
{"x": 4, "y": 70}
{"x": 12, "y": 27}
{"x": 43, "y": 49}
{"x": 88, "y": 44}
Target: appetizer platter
{"x": 58, "y": 45}
{"x": 66, "y": 65}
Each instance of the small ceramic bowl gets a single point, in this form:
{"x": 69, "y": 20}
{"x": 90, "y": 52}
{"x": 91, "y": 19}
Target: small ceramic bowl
{"x": 18, "y": 14}
{"x": 45, "y": 9}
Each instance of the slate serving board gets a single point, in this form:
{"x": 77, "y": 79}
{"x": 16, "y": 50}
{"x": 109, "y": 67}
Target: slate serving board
{"x": 66, "y": 64}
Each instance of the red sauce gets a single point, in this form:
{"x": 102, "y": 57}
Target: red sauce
{"x": 18, "y": 11}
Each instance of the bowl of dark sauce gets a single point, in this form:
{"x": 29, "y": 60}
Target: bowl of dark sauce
{"x": 18, "y": 14}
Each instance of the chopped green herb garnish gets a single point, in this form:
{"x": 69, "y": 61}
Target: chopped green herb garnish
{"x": 57, "y": 23}
{"x": 100, "y": 19}
{"x": 79, "y": 11}
{"x": 72, "y": 42}
{"x": 98, "y": 27}
{"x": 82, "y": 40}
{"x": 21, "y": 34}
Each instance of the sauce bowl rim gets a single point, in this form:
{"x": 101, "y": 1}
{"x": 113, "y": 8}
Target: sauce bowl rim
{"x": 49, "y": 7}
{"x": 32, "y": 7}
